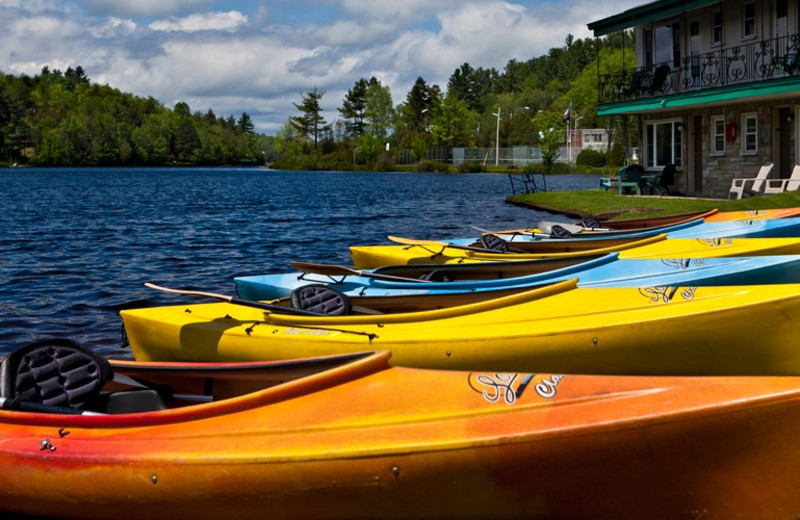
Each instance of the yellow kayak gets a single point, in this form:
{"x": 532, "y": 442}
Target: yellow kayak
{"x": 433, "y": 252}
{"x": 718, "y": 247}
{"x": 754, "y": 214}
{"x": 371, "y": 257}
{"x": 558, "y": 328}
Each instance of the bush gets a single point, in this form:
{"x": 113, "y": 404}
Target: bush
{"x": 591, "y": 158}
{"x": 471, "y": 167}
{"x": 384, "y": 163}
{"x": 432, "y": 167}
{"x": 616, "y": 155}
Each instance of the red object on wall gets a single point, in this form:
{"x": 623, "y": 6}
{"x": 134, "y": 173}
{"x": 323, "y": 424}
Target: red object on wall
{"x": 730, "y": 131}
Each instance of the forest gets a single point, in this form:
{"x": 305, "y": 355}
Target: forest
{"x": 63, "y": 119}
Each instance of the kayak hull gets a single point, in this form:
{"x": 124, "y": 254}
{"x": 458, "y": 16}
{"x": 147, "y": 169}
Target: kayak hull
{"x": 559, "y": 328}
{"x": 499, "y": 445}
{"x": 371, "y": 257}
{"x": 607, "y": 271}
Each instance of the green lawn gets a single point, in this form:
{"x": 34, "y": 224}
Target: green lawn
{"x": 609, "y": 204}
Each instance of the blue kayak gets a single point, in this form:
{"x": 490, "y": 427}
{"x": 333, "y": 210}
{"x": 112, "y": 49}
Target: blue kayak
{"x": 603, "y": 271}
{"x": 765, "y": 228}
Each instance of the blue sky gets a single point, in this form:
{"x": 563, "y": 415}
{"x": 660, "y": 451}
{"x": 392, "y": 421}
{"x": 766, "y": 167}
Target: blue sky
{"x": 259, "y": 57}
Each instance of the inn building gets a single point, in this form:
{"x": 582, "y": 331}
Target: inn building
{"x": 715, "y": 90}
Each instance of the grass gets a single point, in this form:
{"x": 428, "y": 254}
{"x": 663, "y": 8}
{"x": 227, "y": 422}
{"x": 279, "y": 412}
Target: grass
{"x": 609, "y": 204}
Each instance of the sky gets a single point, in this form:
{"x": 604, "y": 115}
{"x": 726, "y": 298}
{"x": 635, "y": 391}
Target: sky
{"x": 261, "y": 56}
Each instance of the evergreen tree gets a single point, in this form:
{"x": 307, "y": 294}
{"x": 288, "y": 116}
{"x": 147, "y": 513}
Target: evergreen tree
{"x": 310, "y": 122}
{"x": 245, "y": 124}
{"x": 354, "y": 105}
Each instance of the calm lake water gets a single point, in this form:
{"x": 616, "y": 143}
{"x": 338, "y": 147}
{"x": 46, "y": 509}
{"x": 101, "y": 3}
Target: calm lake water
{"x": 77, "y": 245}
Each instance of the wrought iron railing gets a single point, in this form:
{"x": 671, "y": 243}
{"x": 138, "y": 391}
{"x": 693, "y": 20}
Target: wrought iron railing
{"x": 745, "y": 63}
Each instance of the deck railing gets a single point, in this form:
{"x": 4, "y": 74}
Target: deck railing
{"x": 744, "y": 63}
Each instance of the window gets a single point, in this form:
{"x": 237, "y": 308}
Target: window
{"x": 718, "y": 135}
{"x": 663, "y": 144}
{"x": 749, "y": 134}
{"x": 749, "y": 20}
{"x": 695, "y": 51}
{"x": 648, "y": 47}
{"x": 716, "y": 28}
{"x": 667, "y": 44}
{"x": 781, "y": 17}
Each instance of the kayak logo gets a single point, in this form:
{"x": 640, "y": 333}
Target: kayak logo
{"x": 667, "y": 294}
{"x": 682, "y": 264}
{"x": 510, "y": 387}
{"x": 716, "y": 242}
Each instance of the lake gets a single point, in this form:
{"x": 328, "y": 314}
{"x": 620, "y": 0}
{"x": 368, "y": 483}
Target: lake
{"x": 77, "y": 245}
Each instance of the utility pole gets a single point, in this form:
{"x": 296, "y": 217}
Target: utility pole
{"x": 497, "y": 140}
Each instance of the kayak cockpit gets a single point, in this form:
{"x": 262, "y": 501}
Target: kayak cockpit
{"x": 57, "y": 377}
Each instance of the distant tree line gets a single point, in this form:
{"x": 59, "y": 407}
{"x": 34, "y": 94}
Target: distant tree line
{"x": 526, "y": 100}
{"x": 63, "y": 119}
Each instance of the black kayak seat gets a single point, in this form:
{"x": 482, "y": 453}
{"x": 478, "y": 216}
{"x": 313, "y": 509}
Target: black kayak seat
{"x": 557, "y": 231}
{"x": 321, "y": 299}
{"x": 494, "y": 243}
{"x": 53, "y": 372}
{"x": 57, "y": 375}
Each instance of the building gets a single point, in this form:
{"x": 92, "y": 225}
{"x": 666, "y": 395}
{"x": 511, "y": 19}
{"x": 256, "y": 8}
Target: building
{"x": 716, "y": 88}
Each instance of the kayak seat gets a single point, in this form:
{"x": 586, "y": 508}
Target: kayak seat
{"x": 57, "y": 375}
{"x": 494, "y": 243}
{"x": 321, "y": 299}
{"x": 436, "y": 275}
{"x": 53, "y": 372}
{"x": 590, "y": 222}
{"x": 557, "y": 231}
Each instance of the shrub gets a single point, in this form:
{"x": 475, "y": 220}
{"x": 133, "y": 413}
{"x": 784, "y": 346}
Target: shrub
{"x": 471, "y": 167}
{"x": 432, "y": 167}
{"x": 591, "y": 158}
{"x": 616, "y": 155}
{"x": 384, "y": 163}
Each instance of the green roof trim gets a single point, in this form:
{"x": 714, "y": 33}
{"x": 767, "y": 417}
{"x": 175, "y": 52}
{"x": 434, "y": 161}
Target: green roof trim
{"x": 644, "y": 14}
{"x": 703, "y": 97}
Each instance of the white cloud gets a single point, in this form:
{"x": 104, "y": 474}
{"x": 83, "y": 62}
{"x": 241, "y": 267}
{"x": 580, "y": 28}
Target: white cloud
{"x": 238, "y": 61}
{"x": 144, "y": 7}
{"x": 229, "y": 21}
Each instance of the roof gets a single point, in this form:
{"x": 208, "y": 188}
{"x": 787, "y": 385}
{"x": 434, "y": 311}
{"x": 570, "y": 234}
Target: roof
{"x": 646, "y": 13}
{"x": 782, "y": 87}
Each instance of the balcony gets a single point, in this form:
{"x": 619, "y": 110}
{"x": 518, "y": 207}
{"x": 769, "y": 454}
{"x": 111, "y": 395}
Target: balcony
{"x": 745, "y": 63}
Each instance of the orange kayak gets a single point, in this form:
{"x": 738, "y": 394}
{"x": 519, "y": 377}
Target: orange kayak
{"x": 349, "y": 437}
{"x": 755, "y": 214}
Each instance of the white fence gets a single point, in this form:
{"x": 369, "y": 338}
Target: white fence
{"x": 519, "y": 156}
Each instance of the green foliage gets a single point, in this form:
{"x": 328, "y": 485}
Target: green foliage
{"x": 551, "y": 137}
{"x": 62, "y": 119}
{"x": 453, "y": 122}
{"x": 471, "y": 167}
{"x": 354, "y": 105}
{"x": 591, "y": 158}
{"x": 310, "y": 122}
{"x": 432, "y": 167}
{"x": 378, "y": 111}
{"x": 616, "y": 155}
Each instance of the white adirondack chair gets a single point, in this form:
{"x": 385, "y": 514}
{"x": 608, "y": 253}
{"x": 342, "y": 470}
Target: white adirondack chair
{"x": 781, "y": 185}
{"x": 739, "y": 187}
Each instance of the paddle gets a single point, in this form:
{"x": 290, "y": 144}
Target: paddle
{"x": 237, "y": 301}
{"x": 423, "y": 243}
{"x": 340, "y": 270}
